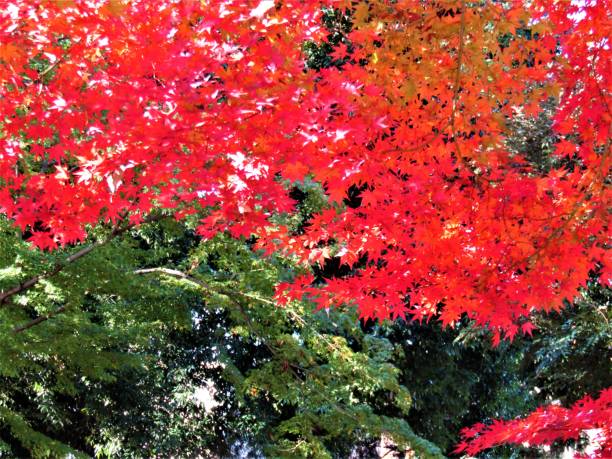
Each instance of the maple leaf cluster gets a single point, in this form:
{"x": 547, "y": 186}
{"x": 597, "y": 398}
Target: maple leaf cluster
{"x": 448, "y": 220}
{"x": 141, "y": 105}
{"x": 114, "y": 108}
{"x": 547, "y": 425}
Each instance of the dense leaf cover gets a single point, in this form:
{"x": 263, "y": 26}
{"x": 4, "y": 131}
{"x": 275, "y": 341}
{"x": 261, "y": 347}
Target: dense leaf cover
{"x": 193, "y": 359}
{"x": 111, "y": 110}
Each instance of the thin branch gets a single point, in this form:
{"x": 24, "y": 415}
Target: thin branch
{"x": 31, "y": 282}
{"x": 181, "y": 275}
{"x": 38, "y": 320}
{"x": 201, "y": 283}
{"x": 231, "y": 294}
{"x": 458, "y": 75}
{"x": 50, "y": 68}
{"x": 175, "y": 273}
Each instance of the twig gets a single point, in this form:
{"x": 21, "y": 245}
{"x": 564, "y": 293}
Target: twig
{"x": 174, "y": 273}
{"x": 458, "y": 74}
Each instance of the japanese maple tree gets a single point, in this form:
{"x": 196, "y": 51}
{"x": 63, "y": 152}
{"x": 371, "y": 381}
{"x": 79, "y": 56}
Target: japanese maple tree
{"x": 112, "y": 109}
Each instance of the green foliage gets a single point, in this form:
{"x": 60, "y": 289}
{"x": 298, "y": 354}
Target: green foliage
{"x": 571, "y": 355}
{"x": 533, "y": 138}
{"x": 456, "y": 377}
{"x": 92, "y": 314}
{"x": 315, "y": 372}
{"x": 115, "y": 367}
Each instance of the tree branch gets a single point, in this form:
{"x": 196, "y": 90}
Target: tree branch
{"x": 201, "y": 283}
{"x": 175, "y": 273}
{"x": 31, "y": 282}
{"x": 38, "y": 320}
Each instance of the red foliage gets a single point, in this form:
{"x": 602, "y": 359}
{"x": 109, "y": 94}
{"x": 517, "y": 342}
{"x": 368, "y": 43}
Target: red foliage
{"x": 547, "y": 425}
{"x": 204, "y": 108}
